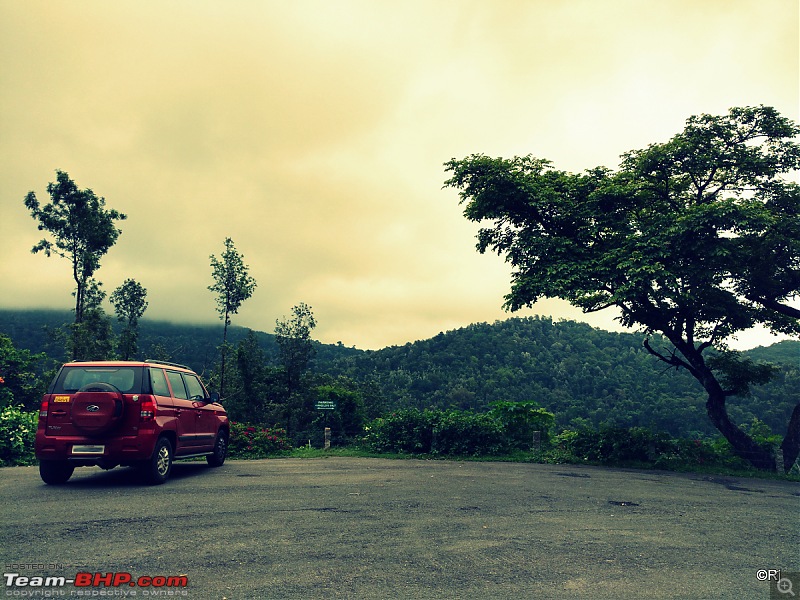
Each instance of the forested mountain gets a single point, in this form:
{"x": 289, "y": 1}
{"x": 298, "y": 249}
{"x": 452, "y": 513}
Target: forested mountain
{"x": 582, "y": 374}
{"x": 195, "y": 345}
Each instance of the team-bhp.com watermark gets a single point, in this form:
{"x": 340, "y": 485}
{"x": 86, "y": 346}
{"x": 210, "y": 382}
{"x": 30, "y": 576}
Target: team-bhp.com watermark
{"x": 88, "y": 585}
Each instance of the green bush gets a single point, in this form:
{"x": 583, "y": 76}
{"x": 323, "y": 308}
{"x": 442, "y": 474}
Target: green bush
{"x": 407, "y": 431}
{"x": 17, "y": 435}
{"x": 521, "y": 420}
{"x": 249, "y": 441}
{"x": 437, "y": 432}
{"x": 638, "y": 446}
{"x": 464, "y": 433}
{"x": 614, "y": 445}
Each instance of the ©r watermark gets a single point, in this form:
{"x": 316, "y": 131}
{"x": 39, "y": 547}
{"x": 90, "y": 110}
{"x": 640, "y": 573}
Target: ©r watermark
{"x": 782, "y": 584}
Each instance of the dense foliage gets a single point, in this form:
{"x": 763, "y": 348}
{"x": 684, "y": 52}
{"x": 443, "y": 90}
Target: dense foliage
{"x": 584, "y": 376}
{"x": 250, "y": 441}
{"x": 437, "y": 432}
{"x": 17, "y": 434}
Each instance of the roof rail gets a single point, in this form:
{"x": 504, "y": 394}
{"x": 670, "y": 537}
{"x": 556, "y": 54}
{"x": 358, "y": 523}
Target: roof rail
{"x": 169, "y": 364}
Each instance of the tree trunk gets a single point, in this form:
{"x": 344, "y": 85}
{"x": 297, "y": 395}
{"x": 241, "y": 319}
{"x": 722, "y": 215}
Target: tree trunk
{"x": 791, "y": 443}
{"x": 743, "y": 444}
{"x": 224, "y": 349}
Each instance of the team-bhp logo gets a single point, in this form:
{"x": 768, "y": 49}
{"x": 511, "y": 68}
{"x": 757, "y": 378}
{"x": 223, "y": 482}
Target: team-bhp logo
{"x": 83, "y": 580}
{"x": 93, "y": 408}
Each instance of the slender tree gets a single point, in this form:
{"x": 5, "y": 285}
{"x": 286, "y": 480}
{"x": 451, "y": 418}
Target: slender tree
{"x": 92, "y": 338}
{"x": 232, "y": 285}
{"x": 293, "y": 336}
{"x": 129, "y": 301}
{"x": 82, "y": 231}
{"x": 696, "y": 239}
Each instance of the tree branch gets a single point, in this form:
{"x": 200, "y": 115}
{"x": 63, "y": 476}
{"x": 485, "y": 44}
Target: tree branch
{"x": 672, "y": 360}
{"x": 772, "y": 304}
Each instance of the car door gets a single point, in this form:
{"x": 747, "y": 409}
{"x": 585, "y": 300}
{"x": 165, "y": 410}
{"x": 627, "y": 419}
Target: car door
{"x": 184, "y": 411}
{"x": 206, "y": 423}
{"x": 161, "y": 393}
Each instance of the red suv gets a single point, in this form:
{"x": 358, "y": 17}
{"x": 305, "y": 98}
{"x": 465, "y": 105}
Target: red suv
{"x": 143, "y": 414}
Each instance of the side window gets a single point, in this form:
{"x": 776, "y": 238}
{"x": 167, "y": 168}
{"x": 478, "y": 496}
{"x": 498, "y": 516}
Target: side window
{"x": 196, "y": 391}
{"x": 176, "y": 383}
{"x": 158, "y": 383}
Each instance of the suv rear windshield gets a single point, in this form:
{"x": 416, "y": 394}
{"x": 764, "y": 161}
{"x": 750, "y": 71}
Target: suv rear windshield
{"x": 127, "y": 380}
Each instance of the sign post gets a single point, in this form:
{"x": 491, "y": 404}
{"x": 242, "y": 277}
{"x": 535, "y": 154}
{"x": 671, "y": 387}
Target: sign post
{"x": 326, "y": 405}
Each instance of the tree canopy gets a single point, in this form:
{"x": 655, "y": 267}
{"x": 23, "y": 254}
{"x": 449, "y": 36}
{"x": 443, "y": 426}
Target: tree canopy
{"x": 129, "y": 301}
{"x": 293, "y": 337}
{"x": 82, "y": 231}
{"x": 695, "y": 238}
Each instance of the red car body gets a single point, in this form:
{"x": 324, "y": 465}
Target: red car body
{"x": 145, "y": 414}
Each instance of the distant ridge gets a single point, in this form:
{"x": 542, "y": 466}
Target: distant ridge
{"x": 586, "y": 376}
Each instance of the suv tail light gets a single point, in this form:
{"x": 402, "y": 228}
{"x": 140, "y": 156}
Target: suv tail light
{"x": 43, "y": 409}
{"x": 148, "y": 409}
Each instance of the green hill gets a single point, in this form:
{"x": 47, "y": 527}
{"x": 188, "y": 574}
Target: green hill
{"x": 582, "y": 374}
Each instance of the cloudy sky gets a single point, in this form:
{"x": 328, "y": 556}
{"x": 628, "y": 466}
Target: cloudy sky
{"x": 314, "y": 132}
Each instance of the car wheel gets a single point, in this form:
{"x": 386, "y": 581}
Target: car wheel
{"x": 55, "y": 472}
{"x": 220, "y": 450}
{"x": 158, "y": 468}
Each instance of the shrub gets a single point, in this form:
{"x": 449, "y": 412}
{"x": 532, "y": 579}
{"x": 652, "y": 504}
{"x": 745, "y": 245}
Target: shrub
{"x": 407, "y": 431}
{"x": 614, "y": 445}
{"x": 17, "y": 435}
{"x": 521, "y": 419}
{"x": 639, "y": 445}
{"x": 717, "y": 453}
{"x": 464, "y": 433}
{"x": 249, "y": 441}
{"x": 442, "y": 432}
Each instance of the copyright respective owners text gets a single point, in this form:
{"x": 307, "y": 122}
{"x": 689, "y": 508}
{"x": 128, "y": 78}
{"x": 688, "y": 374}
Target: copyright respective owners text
{"x": 782, "y": 584}
{"x": 25, "y": 580}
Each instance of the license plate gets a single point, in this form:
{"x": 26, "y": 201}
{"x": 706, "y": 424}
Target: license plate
{"x": 88, "y": 449}
{"x": 61, "y": 399}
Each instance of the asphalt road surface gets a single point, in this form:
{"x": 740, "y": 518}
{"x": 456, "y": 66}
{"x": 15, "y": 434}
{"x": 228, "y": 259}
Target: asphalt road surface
{"x": 373, "y": 528}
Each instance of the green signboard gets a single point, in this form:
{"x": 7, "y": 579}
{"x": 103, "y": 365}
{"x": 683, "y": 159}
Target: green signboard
{"x": 325, "y": 405}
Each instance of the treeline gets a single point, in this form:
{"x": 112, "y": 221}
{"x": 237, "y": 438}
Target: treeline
{"x": 585, "y": 376}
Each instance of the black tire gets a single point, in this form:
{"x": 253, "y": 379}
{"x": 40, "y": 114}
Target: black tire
{"x": 55, "y": 472}
{"x": 220, "y": 450}
{"x": 158, "y": 468}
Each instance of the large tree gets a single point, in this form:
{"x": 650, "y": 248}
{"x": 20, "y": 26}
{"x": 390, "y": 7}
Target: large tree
{"x": 232, "y": 285}
{"x": 129, "y": 301}
{"x": 82, "y": 231}
{"x": 697, "y": 238}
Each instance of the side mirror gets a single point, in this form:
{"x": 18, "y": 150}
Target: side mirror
{"x": 213, "y": 397}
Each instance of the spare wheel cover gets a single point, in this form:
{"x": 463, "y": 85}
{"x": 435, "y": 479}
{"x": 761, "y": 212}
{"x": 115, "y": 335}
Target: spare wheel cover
{"x": 97, "y": 408}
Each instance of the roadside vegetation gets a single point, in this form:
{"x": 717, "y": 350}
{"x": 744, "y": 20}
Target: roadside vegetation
{"x": 465, "y": 435}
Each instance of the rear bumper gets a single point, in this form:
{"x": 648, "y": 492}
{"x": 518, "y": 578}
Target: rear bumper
{"x": 118, "y": 450}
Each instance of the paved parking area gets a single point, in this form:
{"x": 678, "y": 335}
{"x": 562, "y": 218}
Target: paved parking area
{"x": 374, "y": 528}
